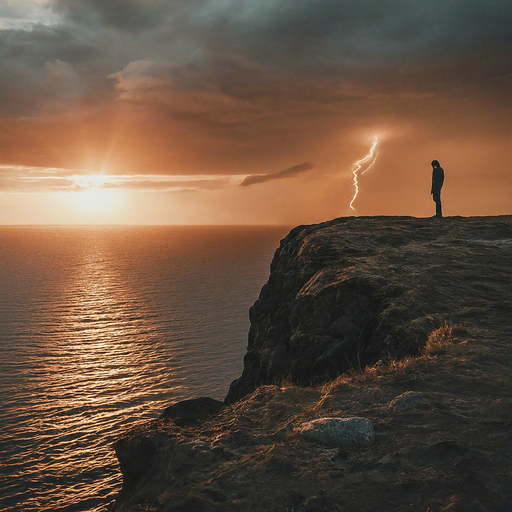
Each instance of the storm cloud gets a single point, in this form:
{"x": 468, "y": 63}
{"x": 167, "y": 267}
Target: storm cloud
{"x": 242, "y": 48}
{"x": 127, "y": 15}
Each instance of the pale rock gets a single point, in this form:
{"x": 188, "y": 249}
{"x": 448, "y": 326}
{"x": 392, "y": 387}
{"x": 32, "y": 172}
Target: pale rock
{"x": 339, "y": 431}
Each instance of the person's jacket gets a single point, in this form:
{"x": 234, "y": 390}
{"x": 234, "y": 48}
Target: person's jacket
{"x": 437, "y": 179}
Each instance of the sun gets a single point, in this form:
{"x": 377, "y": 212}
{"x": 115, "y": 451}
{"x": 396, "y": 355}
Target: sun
{"x": 95, "y": 200}
{"x": 93, "y": 195}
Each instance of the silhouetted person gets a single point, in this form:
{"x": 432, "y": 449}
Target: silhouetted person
{"x": 437, "y": 183}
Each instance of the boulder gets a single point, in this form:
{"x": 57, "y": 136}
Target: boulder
{"x": 193, "y": 411}
{"x": 408, "y": 400}
{"x": 338, "y": 431}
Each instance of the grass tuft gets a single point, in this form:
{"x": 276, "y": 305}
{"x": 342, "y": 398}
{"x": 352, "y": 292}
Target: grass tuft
{"x": 437, "y": 343}
{"x": 442, "y": 337}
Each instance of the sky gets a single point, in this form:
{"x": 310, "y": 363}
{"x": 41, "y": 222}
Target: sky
{"x": 252, "y": 112}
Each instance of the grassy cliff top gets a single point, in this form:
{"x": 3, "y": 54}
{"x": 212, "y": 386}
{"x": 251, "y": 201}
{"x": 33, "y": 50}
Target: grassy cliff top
{"x": 441, "y": 413}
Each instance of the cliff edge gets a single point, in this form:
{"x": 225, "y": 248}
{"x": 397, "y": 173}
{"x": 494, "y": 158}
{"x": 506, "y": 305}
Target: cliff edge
{"x": 377, "y": 377}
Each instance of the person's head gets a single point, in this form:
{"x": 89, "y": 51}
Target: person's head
{"x": 435, "y": 163}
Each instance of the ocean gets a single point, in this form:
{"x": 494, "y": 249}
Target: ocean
{"x": 101, "y": 328}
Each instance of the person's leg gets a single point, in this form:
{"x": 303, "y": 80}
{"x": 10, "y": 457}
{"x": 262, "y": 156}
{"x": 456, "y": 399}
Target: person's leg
{"x": 437, "y": 198}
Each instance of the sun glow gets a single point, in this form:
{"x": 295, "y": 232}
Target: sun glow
{"x": 93, "y": 196}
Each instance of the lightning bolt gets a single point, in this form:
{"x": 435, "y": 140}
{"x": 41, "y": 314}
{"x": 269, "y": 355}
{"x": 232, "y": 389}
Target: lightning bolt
{"x": 357, "y": 166}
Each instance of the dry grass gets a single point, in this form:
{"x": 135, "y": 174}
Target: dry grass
{"x": 437, "y": 343}
{"x": 440, "y": 338}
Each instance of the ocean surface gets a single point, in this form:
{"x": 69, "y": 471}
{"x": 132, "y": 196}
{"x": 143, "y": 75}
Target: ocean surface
{"x": 101, "y": 328}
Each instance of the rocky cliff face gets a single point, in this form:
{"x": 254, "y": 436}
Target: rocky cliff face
{"x": 377, "y": 377}
{"x": 350, "y": 292}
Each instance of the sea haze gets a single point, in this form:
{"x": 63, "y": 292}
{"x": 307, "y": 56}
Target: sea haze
{"x": 100, "y": 329}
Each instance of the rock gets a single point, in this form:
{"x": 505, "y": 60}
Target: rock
{"x": 407, "y": 401}
{"x": 334, "y": 301}
{"x": 351, "y": 292}
{"x": 190, "y": 412}
{"x": 136, "y": 453}
{"x": 339, "y": 431}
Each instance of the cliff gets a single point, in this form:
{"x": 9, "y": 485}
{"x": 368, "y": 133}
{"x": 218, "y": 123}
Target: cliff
{"x": 377, "y": 377}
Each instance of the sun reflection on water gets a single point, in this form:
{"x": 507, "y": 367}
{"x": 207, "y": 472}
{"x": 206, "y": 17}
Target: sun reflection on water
{"x": 98, "y": 363}
{"x": 101, "y": 329}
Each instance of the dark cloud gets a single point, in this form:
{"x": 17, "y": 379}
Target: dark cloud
{"x": 128, "y": 15}
{"x": 303, "y": 34}
{"x": 42, "y": 44}
{"x": 45, "y": 65}
{"x": 321, "y": 34}
{"x": 288, "y": 173}
{"x": 221, "y": 45}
